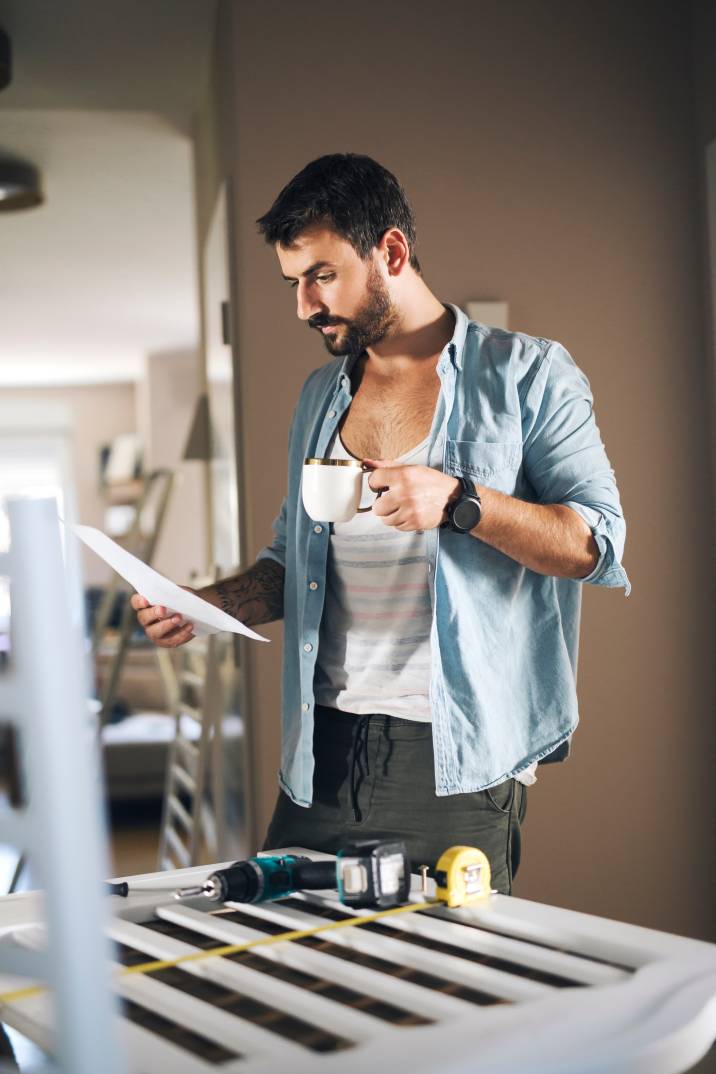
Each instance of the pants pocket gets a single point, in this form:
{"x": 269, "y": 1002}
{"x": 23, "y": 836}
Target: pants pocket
{"x": 501, "y": 796}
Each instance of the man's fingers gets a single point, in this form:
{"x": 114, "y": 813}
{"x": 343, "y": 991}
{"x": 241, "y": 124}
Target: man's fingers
{"x": 382, "y": 480}
{"x": 383, "y": 470}
{"x": 177, "y": 637}
{"x": 387, "y": 504}
{"x": 160, "y": 628}
{"x": 166, "y": 629}
{"x": 149, "y": 615}
{"x": 169, "y": 634}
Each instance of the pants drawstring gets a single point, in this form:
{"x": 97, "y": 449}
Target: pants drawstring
{"x": 359, "y": 763}
{"x": 389, "y": 751}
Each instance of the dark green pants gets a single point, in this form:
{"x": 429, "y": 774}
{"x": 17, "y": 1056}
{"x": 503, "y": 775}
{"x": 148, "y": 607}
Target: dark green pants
{"x": 375, "y": 779}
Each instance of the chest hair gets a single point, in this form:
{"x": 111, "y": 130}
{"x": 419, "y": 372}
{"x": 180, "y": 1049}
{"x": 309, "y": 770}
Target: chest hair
{"x": 390, "y": 417}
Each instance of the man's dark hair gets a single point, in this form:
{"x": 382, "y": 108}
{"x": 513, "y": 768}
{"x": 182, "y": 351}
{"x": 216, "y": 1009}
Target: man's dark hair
{"x": 353, "y": 195}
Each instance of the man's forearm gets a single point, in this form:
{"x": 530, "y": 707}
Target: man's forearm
{"x": 253, "y": 597}
{"x": 546, "y": 538}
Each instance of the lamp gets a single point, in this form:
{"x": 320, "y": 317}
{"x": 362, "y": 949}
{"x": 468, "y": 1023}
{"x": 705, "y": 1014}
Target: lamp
{"x": 5, "y": 60}
{"x": 19, "y": 182}
{"x": 19, "y": 185}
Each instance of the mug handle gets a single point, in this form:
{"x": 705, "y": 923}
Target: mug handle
{"x": 379, "y": 493}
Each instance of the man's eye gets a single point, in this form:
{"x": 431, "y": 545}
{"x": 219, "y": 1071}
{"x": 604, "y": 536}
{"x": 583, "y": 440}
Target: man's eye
{"x": 294, "y": 283}
{"x": 324, "y": 279}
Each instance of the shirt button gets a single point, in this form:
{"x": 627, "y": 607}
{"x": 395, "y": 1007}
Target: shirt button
{"x": 331, "y": 413}
{"x": 307, "y": 647}
{"x": 305, "y": 706}
{"x": 313, "y": 585}
{"x": 318, "y": 529}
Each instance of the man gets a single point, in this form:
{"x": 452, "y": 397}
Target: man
{"x": 430, "y": 644}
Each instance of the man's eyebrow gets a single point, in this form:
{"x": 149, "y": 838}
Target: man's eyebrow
{"x": 310, "y": 270}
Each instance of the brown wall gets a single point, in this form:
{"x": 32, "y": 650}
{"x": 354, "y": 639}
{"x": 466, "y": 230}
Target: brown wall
{"x": 549, "y": 151}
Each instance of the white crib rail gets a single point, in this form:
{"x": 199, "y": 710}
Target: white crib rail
{"x": 43, "y": 695}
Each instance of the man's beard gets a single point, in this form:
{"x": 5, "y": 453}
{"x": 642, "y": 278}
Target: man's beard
{"x": 369, "y": 325}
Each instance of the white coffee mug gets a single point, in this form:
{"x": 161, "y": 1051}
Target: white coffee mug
{"x": 332, "y": 489}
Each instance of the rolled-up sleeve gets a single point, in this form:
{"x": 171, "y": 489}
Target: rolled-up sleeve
{"x": 565, "y": 461}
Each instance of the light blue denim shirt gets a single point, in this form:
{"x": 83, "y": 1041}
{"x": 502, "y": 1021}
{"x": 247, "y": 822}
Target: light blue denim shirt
{"x": 514, "y": 414}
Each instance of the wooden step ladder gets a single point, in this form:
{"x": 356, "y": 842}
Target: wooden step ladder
{"x": 192, "y": 825}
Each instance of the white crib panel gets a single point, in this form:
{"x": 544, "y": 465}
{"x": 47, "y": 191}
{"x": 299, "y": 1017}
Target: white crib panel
{"x": 311, "y": 1008}
{"x": 472, "y": 939}
{"x": 217, "y": 1025}
{"x": 450, "y": 968}
{"x": 402, "y": 993}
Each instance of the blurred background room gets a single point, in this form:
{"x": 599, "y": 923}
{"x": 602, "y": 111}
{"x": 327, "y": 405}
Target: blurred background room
{"x": 561, "y": 160}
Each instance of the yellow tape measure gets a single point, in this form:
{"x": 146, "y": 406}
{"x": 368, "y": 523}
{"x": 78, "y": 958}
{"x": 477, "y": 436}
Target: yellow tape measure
{"x": 463, "y": 875}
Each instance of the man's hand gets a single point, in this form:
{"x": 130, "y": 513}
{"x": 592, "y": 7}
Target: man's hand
{"x": 415, "y": 496}
{"x": 254, "y": 597}
{"x": 164, "y": 628}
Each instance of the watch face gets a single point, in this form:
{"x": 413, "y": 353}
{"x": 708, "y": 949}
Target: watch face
{"x": 466, "y": 515}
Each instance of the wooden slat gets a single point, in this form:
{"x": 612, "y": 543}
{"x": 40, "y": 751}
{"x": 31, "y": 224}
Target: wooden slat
{"x": 182, "y": 776}
{"x": 177, "y": 847}
{"x": 175, "y": 806}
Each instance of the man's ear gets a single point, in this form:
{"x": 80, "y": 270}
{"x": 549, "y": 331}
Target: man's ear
{"x": 394, "y": 251}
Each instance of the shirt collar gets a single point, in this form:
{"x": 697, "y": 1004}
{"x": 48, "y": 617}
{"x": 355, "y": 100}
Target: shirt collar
{"x": 454, "y": 349}
{"x": 456, "y": 346}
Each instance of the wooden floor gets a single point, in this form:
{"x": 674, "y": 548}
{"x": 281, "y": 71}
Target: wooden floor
{"x": 134, "y": 837}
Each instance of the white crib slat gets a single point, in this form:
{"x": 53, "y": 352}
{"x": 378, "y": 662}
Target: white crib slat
{"x": 148, "y": 1053}
{"x": 448, "y": 967}
{"x": 314, "y": 1009}
{"x": 627, "y": 945}
{"x": 233, "y": 1031}
{"x": 463, "y": 937}
{"x": 34, "y": 1017}
{"x": 404, "y": 994}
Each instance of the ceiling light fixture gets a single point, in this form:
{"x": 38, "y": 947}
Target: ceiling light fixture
{"x": 19, "y": 182}
{"x": 5, "y": 60}
{"x": 19, "y": 186}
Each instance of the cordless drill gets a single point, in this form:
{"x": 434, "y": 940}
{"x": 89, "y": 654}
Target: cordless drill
{"x": 365, "y": 873}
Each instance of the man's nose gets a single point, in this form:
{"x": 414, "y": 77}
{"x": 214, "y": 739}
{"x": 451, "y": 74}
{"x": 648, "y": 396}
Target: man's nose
{"x": 306, "y": 303}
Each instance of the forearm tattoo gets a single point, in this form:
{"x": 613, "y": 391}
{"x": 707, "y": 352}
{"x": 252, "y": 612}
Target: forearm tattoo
{"x": 256, "y": 596}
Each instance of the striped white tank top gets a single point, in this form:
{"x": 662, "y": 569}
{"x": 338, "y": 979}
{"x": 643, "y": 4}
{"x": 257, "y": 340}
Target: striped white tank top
{"x": 374, "y": 647}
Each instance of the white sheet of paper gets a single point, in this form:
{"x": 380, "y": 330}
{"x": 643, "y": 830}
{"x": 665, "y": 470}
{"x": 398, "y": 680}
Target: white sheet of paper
{"x": 207, "y": 618}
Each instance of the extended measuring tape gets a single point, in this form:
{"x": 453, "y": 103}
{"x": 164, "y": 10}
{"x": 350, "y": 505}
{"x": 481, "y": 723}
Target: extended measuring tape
{"x": 462, "y": 875}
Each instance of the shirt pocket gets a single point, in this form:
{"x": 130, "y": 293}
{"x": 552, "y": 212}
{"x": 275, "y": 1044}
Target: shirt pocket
{"x": 492, "y": 464}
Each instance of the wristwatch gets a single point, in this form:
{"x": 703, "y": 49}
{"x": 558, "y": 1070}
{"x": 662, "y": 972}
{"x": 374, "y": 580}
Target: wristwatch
{"x": 464, "y": 513}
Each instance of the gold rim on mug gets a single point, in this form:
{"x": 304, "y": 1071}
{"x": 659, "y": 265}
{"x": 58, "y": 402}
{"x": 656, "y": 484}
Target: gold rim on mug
{"x": 334, "y": 462}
